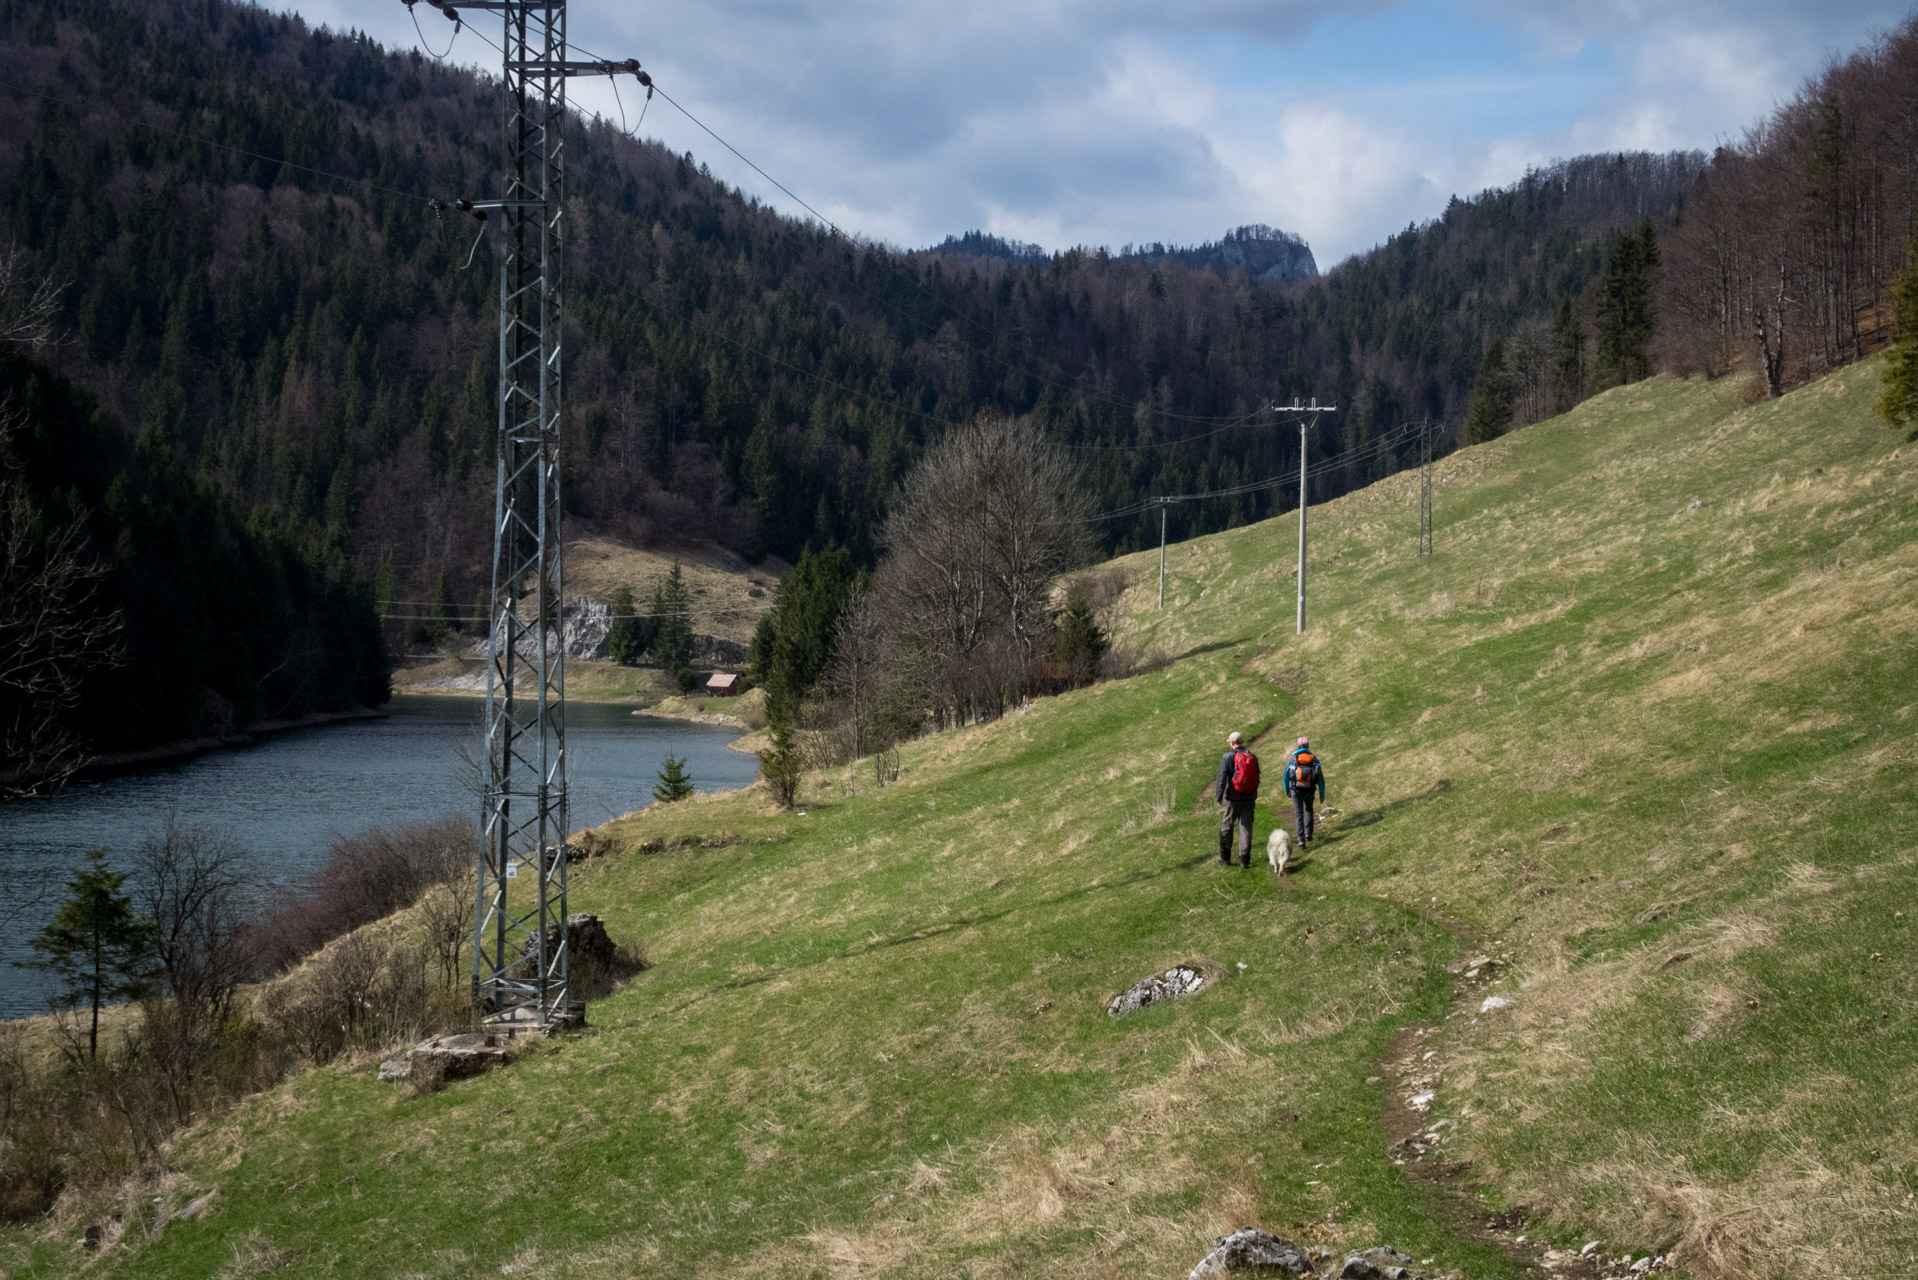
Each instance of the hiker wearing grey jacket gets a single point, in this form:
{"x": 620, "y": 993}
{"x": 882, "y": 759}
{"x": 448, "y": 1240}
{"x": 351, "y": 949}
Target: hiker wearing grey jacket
{"x": 1239, "y": 806}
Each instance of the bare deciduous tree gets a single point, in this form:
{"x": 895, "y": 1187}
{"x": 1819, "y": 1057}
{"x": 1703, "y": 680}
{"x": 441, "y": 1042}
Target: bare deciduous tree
{"x": 52, "y": 632}
{"x": 29, "y": 302}
{"x": 985, "y": 522}
{"x": 1529, "y": 351}
{"x": 192, "y": 882}
{"x": 1785, "y": 249}
{"x": 447, "y": 912}
{"x": 860, "y": 675}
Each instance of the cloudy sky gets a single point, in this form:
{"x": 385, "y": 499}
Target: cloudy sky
{"x": 1109, "y": 122}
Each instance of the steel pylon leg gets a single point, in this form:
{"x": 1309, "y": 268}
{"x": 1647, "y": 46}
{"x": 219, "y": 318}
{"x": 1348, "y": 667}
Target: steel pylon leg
{"x": 520, "y": 968}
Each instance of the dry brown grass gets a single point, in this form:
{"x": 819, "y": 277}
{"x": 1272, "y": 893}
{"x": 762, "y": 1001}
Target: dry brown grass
{"x": 729, "y": 595}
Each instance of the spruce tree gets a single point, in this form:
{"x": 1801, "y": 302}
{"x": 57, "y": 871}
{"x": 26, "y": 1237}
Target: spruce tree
{"x": 624, "y": 642}
{"x": 781, "y": 765}
{"x": 796, "y": 636}
{"x": 1488, "y": 415}
{"x": 1082, "y": 642}
{"x": 95, "y": 945}
{"x": 440, "y": 611}
{"x": 674, "y": 782}
{"x": 1898, "y": 406}
{"x": 672, "y": 622}
{"x": 1566, "y": 363}
{"x": 1624, "y": 311}
{"x": 386, "y": 585}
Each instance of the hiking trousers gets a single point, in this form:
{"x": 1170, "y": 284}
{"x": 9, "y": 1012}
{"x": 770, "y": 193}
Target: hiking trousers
{"x": 1305, "y": 823}
{"x": 1238, "y": 817}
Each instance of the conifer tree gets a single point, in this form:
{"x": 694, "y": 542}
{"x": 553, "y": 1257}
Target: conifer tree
{"x": 1488, "y": 415}
{"x": 1898, "y": 406}
{"x": 625, "y": 640}
{"x": 440, "y": 611}
{"x": 386, "y": 585}
{"x": 672, "y": 622}
{"x": 1566, "y": 364}
{"x": 796, "y": 636}
{"x": 1082, "y": 641}
{"x": 780, "y": 765}
{"x": 674, "y": 782}
{"x": 95, "y": 945}
{"x": 1624, "y": 313}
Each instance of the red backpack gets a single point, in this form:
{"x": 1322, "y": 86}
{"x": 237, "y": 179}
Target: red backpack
{"x": 1245, "y": 773}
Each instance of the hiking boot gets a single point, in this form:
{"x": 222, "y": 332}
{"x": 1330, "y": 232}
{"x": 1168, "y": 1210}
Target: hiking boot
{"x": 1225, "y": 859}
{"x": 1246, "y": 865}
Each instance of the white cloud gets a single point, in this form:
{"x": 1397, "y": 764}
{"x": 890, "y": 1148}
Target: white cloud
{"x": 1108, "y": 121}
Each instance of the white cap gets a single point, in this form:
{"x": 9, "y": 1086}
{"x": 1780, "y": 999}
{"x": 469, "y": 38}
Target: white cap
{"x": 1234, "y": 736}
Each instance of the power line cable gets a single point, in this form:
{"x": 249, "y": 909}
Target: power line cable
{"x": 629, "y": 289}
{"x": 458, "y": 26}
{"x": 1361, "y": 453}
{"x": 1165, "y": 444}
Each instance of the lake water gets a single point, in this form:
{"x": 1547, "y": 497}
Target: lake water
{"x": 286, "y": 796}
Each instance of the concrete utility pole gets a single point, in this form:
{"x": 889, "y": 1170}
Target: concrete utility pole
{"x": 1425, "y": 488}
{"x": 1308, "y": 416}
{"x": 1162, "y": 507}
{"x": 520, "y": 971}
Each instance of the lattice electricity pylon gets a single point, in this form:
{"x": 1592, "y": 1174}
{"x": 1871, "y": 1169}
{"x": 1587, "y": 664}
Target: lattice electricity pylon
{"x": 1425, "y": 488}
{"x": 519, "y": 938}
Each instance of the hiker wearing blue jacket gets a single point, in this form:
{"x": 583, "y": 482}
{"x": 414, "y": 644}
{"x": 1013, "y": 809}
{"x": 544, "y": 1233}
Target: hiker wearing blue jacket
{"x": 1237, "y": 788}
{"x": 1304, "y": 776}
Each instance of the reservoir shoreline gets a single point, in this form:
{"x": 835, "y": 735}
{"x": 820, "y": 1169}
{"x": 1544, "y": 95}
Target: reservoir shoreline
{"x": 286, "y": 797}
{"x": 112, "y": 764}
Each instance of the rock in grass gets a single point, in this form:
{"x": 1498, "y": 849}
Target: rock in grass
{"x": 1382, "y": 1263}
{"x": 588, "y": 941}
{"x": 447, "y": 1058}
{"x": 1180, "y": 980}
{"x": 1249, "y": 1249}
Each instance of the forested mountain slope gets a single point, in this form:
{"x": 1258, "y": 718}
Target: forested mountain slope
{"x": 1612, "y": 921}
{"x": 142, "y": 604}
{"x": 240, "y": 207}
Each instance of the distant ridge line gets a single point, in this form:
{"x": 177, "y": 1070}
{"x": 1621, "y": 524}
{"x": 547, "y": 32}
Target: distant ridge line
{"x": 1262, "y": 252}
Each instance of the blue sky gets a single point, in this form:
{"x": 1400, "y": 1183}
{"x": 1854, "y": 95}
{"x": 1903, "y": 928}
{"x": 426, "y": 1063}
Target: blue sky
{"x": 1115, "y": 121}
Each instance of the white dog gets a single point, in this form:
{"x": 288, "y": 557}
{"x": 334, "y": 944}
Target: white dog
{"x": 1278, "y": 849}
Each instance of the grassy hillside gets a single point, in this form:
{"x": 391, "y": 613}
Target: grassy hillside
{"x": 1653, "y": 697}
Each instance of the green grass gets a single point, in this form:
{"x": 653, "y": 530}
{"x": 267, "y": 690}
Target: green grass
{"x": 1601, "y": 726}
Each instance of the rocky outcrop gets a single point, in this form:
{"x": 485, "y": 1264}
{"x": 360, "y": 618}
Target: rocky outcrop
{"x": 449, "y": 1057}
{"x": 1382, "y": 1263}
{"x": 1179, "y": 980}
{"x": 1264, "y": 253}
{"x": 587, "y": 941}
{"x": 585, "y": 631}
{"x": 584, "y": 628}
{"x": 1251, "y": 1250}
